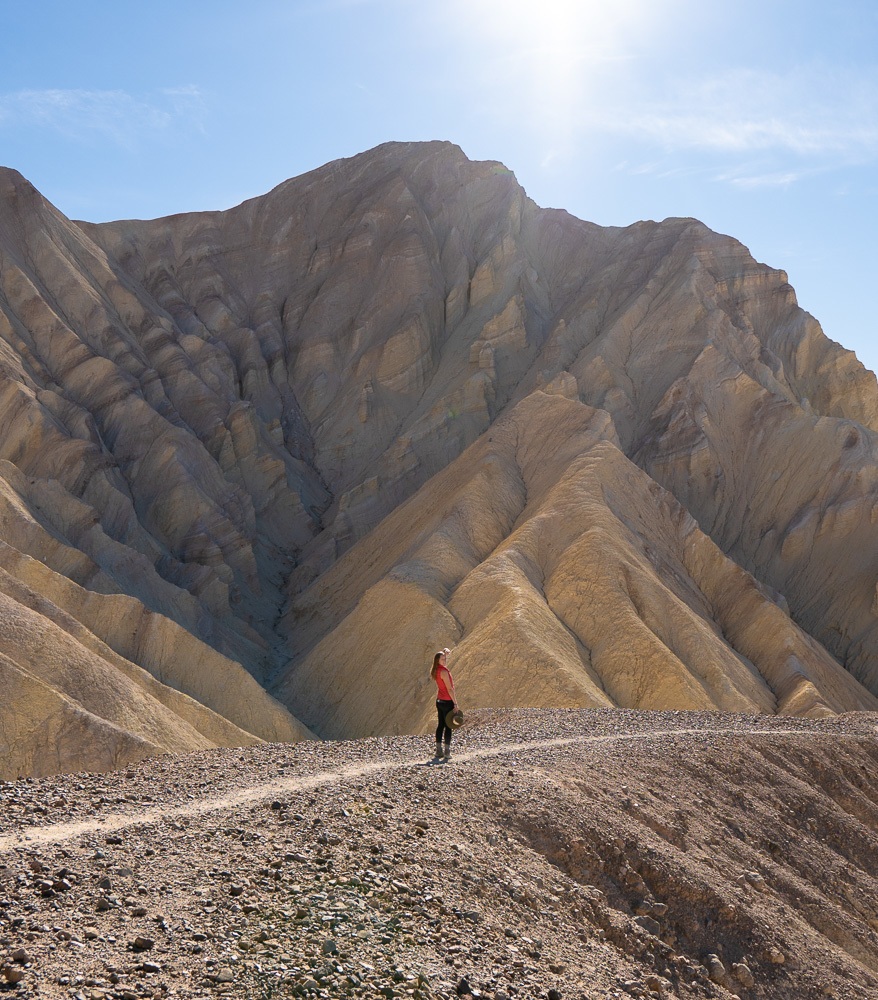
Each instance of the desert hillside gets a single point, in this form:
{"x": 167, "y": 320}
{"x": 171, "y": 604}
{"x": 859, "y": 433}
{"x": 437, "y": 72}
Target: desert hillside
{"x": 597, "y": 854}
{"x": 257, "y": 464}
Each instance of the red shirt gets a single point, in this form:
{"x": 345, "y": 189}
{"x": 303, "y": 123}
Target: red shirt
{"x": 442, "y": 693}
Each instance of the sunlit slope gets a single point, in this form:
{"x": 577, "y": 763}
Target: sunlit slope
{"x": 225, "y": 434}
{"x": 382, "y": 311}
{"x": 563, "y": 575}
{"x": 69, "y": 700}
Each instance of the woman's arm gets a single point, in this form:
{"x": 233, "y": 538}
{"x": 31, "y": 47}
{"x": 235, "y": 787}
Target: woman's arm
{"x": 450, "y": 685}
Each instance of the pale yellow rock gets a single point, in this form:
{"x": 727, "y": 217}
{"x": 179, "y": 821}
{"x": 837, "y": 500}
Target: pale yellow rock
{"x": 572, "y": 579}
{"x": 157, "y": 645}
{"x": 394, "y": 398}
{"x": 43, "y": 732}
{"x": 68, "y": 700}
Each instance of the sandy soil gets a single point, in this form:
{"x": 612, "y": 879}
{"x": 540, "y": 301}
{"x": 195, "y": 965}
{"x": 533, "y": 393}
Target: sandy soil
{"x": 572, "y": 854}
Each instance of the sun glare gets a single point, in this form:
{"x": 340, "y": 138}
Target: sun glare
{"x": 548, "y": 62}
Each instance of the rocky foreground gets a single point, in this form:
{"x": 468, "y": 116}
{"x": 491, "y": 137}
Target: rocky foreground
{"x": 572, "y": 854}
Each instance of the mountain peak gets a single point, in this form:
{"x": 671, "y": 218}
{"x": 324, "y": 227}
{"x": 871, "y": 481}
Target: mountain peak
{"x": 258, "y": 464}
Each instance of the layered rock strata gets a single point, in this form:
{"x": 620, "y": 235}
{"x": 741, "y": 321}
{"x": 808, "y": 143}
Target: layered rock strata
{"x": 394, "y": 404}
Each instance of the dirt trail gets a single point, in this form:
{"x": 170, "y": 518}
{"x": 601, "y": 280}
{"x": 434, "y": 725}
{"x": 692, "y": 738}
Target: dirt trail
{"x": 603, "y": 853}
{"x": 36, "y": 836}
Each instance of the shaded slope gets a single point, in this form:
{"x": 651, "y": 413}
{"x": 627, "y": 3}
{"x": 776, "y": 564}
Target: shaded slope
{"x": 69, "y": 700}
{"x": 206, "y": 412}
{"x": 412, "y": 294}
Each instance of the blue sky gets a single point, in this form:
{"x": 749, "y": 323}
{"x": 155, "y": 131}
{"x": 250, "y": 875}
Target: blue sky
{"x": 759, "y": 118}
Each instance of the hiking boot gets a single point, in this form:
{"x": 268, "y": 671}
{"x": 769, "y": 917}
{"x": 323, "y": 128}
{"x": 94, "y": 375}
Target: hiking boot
{"x": 438, "y": 750}
{"x": 448, "y": 751}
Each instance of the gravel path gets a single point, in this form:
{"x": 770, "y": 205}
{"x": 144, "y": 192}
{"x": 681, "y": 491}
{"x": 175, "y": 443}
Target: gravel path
{"x": 57, "y": 832}
{"x": 612, "y": 854}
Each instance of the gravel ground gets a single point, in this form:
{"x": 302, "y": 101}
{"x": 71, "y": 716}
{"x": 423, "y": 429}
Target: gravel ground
{"x": 571, "y": 854}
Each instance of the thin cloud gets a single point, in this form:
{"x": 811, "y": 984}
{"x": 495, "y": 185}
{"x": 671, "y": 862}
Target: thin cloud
{"x": 738, "y": 133}
{"x": 188, "y": 105}
{"x": 783, "y": 179}
{"x": 806, "y": 114}
{"x": 659, "y": 168}
{"x": 111, "y": 114}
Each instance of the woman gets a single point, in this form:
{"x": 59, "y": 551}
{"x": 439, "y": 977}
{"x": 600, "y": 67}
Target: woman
{"x": 446, "y": 701}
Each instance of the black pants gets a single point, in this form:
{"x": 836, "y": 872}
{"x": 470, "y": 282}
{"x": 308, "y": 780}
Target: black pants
{"x": 442, "y": 731}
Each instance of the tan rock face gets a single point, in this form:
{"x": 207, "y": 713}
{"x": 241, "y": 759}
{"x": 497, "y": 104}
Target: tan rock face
{"x": 392, "y": 405}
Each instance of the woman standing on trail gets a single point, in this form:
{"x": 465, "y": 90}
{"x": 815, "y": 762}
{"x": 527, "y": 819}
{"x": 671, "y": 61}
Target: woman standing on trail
{"x": 446, "y": 701}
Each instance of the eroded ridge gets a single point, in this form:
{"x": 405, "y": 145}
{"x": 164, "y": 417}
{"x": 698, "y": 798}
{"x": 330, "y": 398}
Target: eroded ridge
{"x": 257, "y": 464}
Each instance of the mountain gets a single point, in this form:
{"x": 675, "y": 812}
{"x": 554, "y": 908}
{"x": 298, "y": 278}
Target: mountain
{"x": 258, "y": 464}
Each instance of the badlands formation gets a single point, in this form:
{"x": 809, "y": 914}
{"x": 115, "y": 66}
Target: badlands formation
{"x": 257, "y": 464}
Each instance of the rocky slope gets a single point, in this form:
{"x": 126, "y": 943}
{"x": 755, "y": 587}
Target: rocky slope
{"x": 393, "y": 404}
{"x": 574, "y": 854}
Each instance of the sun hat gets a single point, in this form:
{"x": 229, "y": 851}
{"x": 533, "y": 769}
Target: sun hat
{"x": 454, "y": 719}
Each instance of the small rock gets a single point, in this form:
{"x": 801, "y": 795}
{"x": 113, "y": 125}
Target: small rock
{"x": 142, "y": 944}
{"x": 649, "y": 924}
{"x": 223, "y": 975}
{"x": 463, "y": 988}
{"x": 743, "y": 974}
{"x": 21, "y": 956}
{"x": 150, "y": 967}
{"x": 330, "y": 947}
{"x": 716, "y": 970}
{"x": 13, "y": 975}
{"x": 554, "y": 995}
{"x": 756, "y": 880}
{"x": 776, "y": 957}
